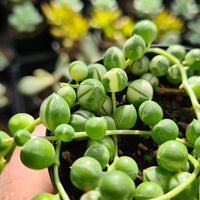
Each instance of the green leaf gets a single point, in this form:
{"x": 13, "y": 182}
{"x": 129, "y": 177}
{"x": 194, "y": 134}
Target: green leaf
{"x": 32, "y": 85}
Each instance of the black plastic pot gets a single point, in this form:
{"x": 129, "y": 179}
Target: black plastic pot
{"x": 32, "y": 43}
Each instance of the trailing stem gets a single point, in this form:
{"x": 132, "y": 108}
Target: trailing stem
{"x": 183, "y": 185}
{"x": 113, "y": 101}
{"x": 196, "y": 107}
{"x": 115, "y": 132}
{"x": 185, "y": 85}
{"x": 58, "y": 183}
{"x": 33, "y": 124}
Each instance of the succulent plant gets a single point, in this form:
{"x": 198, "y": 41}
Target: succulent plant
{"x": 194, "y": 30}
{"x": 151, "y": 9}
{"x": 25, "y": 17}
{"x": 61, "y": 26}
{"x": 188, "y": 9}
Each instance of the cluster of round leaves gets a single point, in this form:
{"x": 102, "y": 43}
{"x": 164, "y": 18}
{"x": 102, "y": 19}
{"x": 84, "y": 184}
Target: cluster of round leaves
{"x": 95, "y": 84}
{"x": 36, "y": 153}
{"x": 88, "y": 172}
{"x": 172, "y": 156}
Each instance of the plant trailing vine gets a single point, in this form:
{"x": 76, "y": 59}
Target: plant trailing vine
{"x": 87, "y": 109}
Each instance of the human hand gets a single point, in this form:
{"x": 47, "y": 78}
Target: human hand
{"x": 21, "y": 183}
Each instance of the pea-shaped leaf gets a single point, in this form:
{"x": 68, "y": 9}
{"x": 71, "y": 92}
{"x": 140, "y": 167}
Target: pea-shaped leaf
{"x": 173, "y": 75}
{"x": 21, "y": 137}
{"x": 107, "y": 141}
{"x": 164, "y": 130}
{"x": 96, "y": 71}
{"x": 139, "y": 91}
{"x": 177, "y": 50}
{"x": 79, "y": 118}
{"x": 157, "y": 175}
{"x": 192, "y": 59}
{"x": 54, "y": 111}
{"x": 78, "y": 70}
{"x": 64, "y": 132}
{"x": 92, "y": 195}
{"x": 127, "y": 165}
{"x": 125, "y": 116}
{"x": 96, "y": 127}
{"x": 153, "y": 80}
{"x": 115, "y": 80}
{"x": 110, "y": 123}
{"x": 91, "y": 94}
{"x": 146, "y": 29}
{"x": 100, "y": 153}
{"x": 19, "y": 121}
{"x": 194, "y": 83}
{"x": 150, "y": 112}
{"x": 159, "y": 65}
{"x": 197, "y": 146}
{"x": 113, "y": 58}
{"x": 85, "y": 173}
{"x": 148, "y": 190}
{"x": 172, "y": 155}
{"x": 189, "y": 192}
{"x": 116, "y": 185}
{"x": 105, "y": 109}
{"x": 140, "y": 66}
{"x": 134, "y": 48}
{"x": 4, "y": 148}
{"x": 68, "y": 93}
{"x": 193, "y": 131}
{"x": 37, "y": 153}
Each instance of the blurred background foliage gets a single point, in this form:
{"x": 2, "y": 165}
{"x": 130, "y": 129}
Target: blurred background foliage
{"x": 83, "y": 30}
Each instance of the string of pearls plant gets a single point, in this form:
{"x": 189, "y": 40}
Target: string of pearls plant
{"x": 87, "y": 109}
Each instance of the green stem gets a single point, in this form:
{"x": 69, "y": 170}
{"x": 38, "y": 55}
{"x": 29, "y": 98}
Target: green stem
{"x": 10, "y": 153}
{"x": 185, "y": 85}
{"x": 84, "y": 134}
{"x": 2, "y": 163}
{"x": 115, "y": 132}
{"x": 113, "y": 101}
{"x": 58, "y": 183}
{"x": 183, "y": 185}
{"x": 199, "y": 186}
{"x": 127, "y": 63}
{"x": 185, "y": 142}
{"x": 31, "y": 126}
{"x": 51, "y": 138}
{"x": 11, "y": 140}
{"x": 28, "y": 128}
{"x": 115, "y": 139}
{"x": 8, "y": 140}
{"x": 72, "y": 85}
{"x": 171, "y": 58}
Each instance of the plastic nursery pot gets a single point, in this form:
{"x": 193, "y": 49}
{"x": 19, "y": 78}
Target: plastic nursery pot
{"x": 175, "y": 105}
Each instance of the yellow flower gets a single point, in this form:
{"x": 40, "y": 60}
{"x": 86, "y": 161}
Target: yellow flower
{"x": 115, "y": 26}
{"x": 65, "y": 23}
{"x": 124, "y": 25}
{"x": 166, "y": 21}
{"x": 104, "y": 18}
